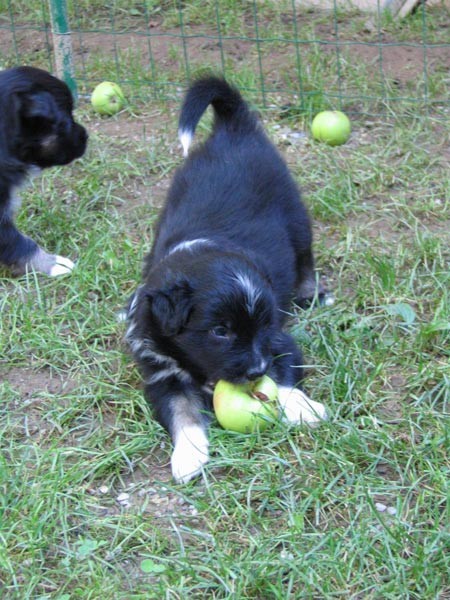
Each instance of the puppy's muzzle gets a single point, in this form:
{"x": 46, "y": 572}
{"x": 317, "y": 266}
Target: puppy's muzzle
{"x": 257, "y": 370}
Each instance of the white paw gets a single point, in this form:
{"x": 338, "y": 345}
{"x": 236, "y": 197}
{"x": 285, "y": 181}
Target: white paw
{"x": 190, "y": 453}
{"x": 61, "y": 267}
{"x": 298, "y": 408}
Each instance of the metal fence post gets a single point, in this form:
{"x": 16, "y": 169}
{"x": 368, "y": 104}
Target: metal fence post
{"x": 62, "y": 43}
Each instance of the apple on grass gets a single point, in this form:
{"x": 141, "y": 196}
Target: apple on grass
{"x": 332, "y": 127}
{"x": 107, "y": 98}
{"x": 244, "y": 407}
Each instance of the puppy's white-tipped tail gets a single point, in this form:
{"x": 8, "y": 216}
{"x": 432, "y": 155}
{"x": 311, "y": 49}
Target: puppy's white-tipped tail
{"x": 185, "y": 138}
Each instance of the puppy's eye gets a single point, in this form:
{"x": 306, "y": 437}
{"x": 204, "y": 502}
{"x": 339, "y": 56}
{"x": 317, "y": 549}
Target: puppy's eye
{"x": 38, "y": 125}
{"x": 221, "y": 331}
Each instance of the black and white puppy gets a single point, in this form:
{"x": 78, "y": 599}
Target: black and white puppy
{"x": 37, "y": 130}
{"x": 232, "y": 249}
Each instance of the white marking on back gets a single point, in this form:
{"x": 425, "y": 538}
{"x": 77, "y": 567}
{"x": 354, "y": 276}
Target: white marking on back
{"x": 188, "y": 245}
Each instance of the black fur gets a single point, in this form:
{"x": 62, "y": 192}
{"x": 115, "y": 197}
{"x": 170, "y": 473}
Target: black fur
{"x": 37, "y": 131}
{"x": 215, "y": 309}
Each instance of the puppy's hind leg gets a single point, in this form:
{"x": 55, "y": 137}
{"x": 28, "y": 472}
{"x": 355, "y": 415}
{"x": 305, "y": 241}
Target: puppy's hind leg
{"x": 309, "y": 290}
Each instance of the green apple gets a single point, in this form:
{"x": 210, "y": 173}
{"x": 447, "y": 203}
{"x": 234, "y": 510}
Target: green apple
{"x": 244, "y": 407}
{"x": 332, "y": 127}
{"x": 107, "y": 98}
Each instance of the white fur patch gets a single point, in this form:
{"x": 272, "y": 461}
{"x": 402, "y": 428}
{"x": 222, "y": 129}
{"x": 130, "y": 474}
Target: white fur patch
{"x": 143, "y": 348}
{"x": 190, "y": 452}
{"x": 299, "y": 408}
{"x": 188, "y": 245}
{"x": 185, "y": 138}
{"x": 251, "y": 292}
{"x": 147, "y": 352}
{"x": 133, "y": 304}
{"x": 168, "y": 372}
{"x": 63, "y": 266}
{"x": 135, "y": 344}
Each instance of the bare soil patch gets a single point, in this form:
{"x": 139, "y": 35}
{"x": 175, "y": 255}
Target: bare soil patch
{"x": 31, "y": 389}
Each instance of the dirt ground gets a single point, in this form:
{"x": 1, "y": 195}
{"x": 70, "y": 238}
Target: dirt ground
{"x": 385, "y": 56}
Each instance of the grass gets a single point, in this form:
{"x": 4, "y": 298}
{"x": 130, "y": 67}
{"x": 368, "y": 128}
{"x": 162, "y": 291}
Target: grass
{"x": 357, "y": 508}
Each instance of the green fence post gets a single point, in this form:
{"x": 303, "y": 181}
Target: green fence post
{"x": 62, "y": 43}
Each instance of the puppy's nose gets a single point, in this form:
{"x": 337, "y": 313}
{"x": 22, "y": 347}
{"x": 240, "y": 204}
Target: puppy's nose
{"x": 256, "y": 371}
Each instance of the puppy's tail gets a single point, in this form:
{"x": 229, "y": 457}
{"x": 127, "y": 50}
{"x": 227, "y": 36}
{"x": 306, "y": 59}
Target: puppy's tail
{"x": 230, "y": 108}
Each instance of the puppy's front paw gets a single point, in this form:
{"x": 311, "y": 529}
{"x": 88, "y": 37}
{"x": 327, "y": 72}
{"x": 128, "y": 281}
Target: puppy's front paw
{"x": 298, "y": 408}
{"x": 190, "y": 453}
{"x": 62, "y": 266}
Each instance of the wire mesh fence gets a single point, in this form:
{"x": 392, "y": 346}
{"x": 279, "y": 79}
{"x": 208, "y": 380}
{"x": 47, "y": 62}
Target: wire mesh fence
{"x": 305, "y": 56}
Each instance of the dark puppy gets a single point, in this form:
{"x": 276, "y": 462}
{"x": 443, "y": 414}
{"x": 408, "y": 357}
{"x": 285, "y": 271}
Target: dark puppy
{"x": 37, "y": 130}
{"x": 232, "y": 249}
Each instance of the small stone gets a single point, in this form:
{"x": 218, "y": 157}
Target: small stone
{"x": 123, "y": 497}
{"x": 103, "y": 489}
{"x": 380, "y": 506}
{"x": 392, "y": 510}
{"x": 296, "y": 135}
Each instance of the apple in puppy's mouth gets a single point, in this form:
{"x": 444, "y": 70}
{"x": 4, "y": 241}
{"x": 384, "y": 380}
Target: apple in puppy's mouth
{"x": 244, "y": 407}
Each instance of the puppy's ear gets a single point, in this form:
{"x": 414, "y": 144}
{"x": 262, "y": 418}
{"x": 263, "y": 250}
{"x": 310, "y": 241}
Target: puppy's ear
{"x": 22, "y": 113}
{"x": 171, "y": 307}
